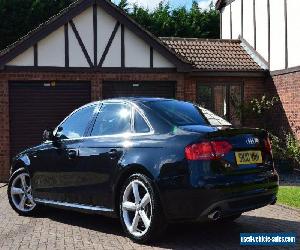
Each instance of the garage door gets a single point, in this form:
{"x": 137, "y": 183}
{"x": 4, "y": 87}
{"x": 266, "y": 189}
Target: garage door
{"x": 146, "y": 89}
{"x": 36, "y": 106}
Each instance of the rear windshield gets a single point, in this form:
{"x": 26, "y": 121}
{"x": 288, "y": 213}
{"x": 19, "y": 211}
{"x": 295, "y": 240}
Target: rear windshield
{"x": 178, "y": 113}
{"x": 185, "y": 114}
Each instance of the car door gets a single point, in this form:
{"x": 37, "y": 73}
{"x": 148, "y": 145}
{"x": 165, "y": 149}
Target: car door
{"x": 101, "y": 153}
{"x": 55, "y": 165}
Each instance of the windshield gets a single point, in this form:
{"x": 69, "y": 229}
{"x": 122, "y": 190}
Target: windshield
{"x": 182, "y": 113}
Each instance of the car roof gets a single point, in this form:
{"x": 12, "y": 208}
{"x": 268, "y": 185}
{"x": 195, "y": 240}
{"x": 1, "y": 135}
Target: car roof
{"x": 129, "y": 99}
{"x": 139, "y": 99}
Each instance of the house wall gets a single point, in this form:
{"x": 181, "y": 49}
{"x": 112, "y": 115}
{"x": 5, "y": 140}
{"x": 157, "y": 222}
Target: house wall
{"x": 286, "y": 116}
{"x": 254, "y": 87}
{"x": 268, "y": 26}
{"x": 52, "y": 50}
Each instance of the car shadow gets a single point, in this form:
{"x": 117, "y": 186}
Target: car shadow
{"x": 224, "y": 236}
{"x": 89, "y": 221}
{"x": 184, "y": 235}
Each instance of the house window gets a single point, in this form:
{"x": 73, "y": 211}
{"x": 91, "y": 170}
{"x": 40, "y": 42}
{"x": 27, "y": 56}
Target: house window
{"x": 223, "y": 99}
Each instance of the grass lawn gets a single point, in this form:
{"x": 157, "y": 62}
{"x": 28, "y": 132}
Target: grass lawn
{"x": 289, "y": 196}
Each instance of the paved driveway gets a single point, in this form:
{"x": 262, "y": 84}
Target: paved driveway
{"x": 57, "y": 229}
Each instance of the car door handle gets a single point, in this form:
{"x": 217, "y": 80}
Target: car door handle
{"x": 113, "y": 153}
{"x": 72, "y": 154}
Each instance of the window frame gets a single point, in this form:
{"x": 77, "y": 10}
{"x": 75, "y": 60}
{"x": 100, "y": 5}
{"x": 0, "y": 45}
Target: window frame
{"x": 132, "y": 132}
{"x": 212, "y": 85}
{"x": 88, "y": 124}
{"x": 136, "y": 110}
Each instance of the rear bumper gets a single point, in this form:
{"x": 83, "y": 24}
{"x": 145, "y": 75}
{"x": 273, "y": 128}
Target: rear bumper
{"x": 239, "y": 205}
{"x": 185, "y": 201}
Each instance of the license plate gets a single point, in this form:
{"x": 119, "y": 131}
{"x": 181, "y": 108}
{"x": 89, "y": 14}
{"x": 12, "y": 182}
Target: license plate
{"x": 248, "y": 157}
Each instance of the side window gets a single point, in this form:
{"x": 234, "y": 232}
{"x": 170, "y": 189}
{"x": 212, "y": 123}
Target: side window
{"x": 75, "y": 126}
{"x": 113, "y": 118}
{"x": 140, "y": 126}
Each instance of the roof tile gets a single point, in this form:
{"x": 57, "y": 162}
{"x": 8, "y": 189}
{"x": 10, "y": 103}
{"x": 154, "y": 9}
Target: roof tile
{"x": 209, "y": 54}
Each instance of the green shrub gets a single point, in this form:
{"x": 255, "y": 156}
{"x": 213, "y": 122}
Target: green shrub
{"x": 286, "y": 152}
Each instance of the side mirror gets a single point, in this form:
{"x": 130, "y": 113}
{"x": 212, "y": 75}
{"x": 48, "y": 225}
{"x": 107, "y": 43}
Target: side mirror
{"x": 48, "y": 135}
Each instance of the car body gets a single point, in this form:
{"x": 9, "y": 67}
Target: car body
{"x": 196, "y": 164}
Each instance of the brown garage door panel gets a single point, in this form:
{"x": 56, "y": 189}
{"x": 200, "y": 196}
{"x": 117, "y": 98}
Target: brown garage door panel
{"x": 146, "y": 88}
{"x": 37, "y": 106}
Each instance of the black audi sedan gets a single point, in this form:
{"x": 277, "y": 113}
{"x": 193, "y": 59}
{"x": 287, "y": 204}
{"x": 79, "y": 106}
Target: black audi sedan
{"x": 148, "y": 161}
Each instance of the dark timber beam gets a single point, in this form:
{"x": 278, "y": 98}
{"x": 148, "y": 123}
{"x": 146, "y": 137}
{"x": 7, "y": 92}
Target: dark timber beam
{"x": 95, "y": 27}
{"x": 269, "y": 34}
{"x": 67, "y": 60}
{"x": 230, "y": 22}
{"x": 242, "y": 18}
{"x": 111, "y": 39}
{"x": 35, "y": 52}
{"x": 254, "y": 22}
{"x": 151, "y": 57}
{"x": 122, "y": 46}
{"x": 86, "y": 54}
{"x": 286, "y": 35}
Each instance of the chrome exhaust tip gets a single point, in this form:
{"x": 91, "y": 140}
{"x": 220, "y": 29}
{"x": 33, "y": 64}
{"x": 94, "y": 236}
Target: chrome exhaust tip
{"x": 215, "y": 215}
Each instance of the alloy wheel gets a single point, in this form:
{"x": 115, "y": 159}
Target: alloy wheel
{"x": 137, "y": 208}
{"x": 21, "y": 193}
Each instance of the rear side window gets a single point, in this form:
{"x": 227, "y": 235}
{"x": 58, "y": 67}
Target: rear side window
{"x": 178, "y": 113}
{"x": 113, "y": 119}
{"x": 140, "y": 125}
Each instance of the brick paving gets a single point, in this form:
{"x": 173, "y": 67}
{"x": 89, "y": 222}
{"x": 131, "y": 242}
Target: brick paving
{"x": 58, "y": 229}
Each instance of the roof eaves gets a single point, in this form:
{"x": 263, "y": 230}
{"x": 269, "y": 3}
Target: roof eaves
{"x": 219, "y": 4}
{"x": 258, "y": 58}
{"x": 74, "y": 9}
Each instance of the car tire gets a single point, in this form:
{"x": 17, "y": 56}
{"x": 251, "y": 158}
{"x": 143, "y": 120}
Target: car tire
{"x": 20, "y": 193}
{"x": 140, "y": 210}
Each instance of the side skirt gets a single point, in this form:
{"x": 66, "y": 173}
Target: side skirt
{"x": 78, "y": 207}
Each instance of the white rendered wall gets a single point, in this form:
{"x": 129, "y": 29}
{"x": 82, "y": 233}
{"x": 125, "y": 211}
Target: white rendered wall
{"x": 137, "y": 52}
{"x": 236, "y": 18}
{"x": 226, "y": 23}
{"x": 51, "y": 50}
{"x": 161, "y": 62}
{"x": 105, "y": 25}
{"x": 113, "y": 57}
{"x": 248, "y": 22}
{"x": 261, "y": 8}
{"x": 293, "y": 24}
{"x": 24, "y": 59}
{"x": 277, "y": 32}
{"x": 84, "y": 26}
{"x": 76, "y": 55}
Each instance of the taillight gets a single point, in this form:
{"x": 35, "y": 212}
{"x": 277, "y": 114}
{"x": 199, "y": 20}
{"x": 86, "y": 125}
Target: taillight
{"x": 268, "y": 145}
{"x": 207, "y": 150}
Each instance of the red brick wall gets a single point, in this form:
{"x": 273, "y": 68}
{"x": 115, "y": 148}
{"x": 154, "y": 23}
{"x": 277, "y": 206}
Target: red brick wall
{"x": 96, "y": 90}
{"x": 287, "y": 115}
{"x": 254, "y": 87}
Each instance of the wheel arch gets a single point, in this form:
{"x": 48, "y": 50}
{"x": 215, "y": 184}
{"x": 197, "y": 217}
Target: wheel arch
{"x": 18, "y": 166}
{"x": 126, "y": 173}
